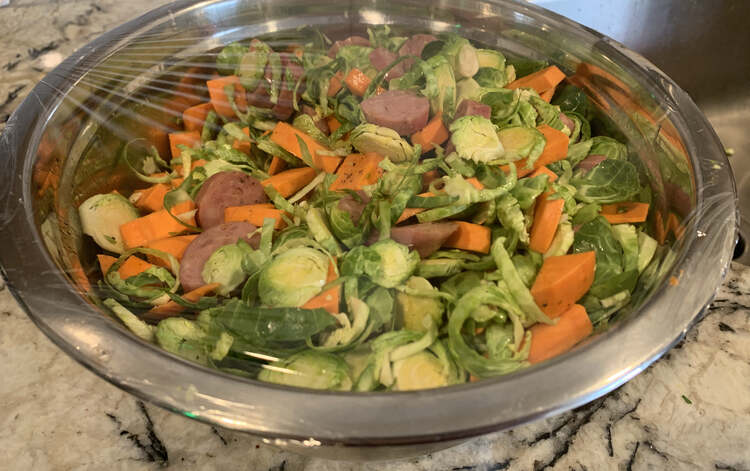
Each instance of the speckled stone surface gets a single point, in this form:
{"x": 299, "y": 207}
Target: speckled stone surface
{"x": 690, "y": 410}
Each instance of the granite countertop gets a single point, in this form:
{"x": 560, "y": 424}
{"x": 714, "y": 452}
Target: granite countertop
{"x": 690, "y": 410}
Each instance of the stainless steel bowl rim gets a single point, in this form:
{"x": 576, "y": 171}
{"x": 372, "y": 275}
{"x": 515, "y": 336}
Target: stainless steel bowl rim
{"x": 314, "y": 418}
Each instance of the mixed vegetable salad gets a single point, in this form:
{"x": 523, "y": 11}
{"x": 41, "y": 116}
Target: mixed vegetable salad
{"x": 381, "y": 213}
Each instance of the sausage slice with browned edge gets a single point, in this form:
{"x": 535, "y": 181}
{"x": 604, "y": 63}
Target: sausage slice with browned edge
{"x": 472, "y": 108}
{"x": 284, "y": 106}
{"x": 318, "y": 120}
{"x": 425, "y": 238}
{"x": 225, "y": 189}
{"x": 291, "y": 73}
{"x": 413, "y": 47}
{"x": 590, "y": 162}
{"x": 354, "y": 206}
{"x": 402, "y": 111}
{"x": 350, "y": 41}
{"x": 261, "y": 96}
{"x": 380, "y": 58}
{"x": 200, "y": 249}
{"x": 569, "y": 123}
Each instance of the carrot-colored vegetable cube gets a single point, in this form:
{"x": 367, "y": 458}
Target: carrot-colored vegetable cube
{"x": 358, "y": 171}
{"x": 562, "y": 281}
{"x": 470, "y": 236}
{"x": 550, "y": 340}
{"x": 546, "y": 218}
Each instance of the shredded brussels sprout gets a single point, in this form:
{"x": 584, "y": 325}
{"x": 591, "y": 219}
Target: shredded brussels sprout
{"x": 413, "y": 246}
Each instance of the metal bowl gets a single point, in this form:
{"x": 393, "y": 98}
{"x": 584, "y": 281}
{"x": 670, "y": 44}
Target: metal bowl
{"x": 61, "y": 144}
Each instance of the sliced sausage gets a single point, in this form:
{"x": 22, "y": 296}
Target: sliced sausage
{"x": 413, "y": 47}
{"x": 226, "y": 189}
{"x": 591, "y": 161}
{"x": 350, "y": 41}
{"x": 425, "y": 238}
{"x": 678, "y": 199}
{"x": 380, "y": 58}
{"x": 354, "y": 207}
{"x": 293, "y": 69}
{"x": 569, "y": 123}
{"x": 284, "y": 106}
{"x": 261, "y": 96}
{"x": 472, "y": 108}
{"x": 291, "y": 72}
{"x": 200, "y": 249}
{"x": 320, "y": 123}
{"x": 402, "y": 111}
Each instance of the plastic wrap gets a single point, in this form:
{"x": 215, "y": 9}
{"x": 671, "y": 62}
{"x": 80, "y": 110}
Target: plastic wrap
{"x": 112, "y": 105}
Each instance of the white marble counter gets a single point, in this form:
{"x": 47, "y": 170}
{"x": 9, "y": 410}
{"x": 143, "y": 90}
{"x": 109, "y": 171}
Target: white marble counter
{"x": 690, "y": 410}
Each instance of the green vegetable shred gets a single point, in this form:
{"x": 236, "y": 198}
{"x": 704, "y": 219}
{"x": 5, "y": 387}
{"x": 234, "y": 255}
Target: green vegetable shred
{"x": 386, "y": 217}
